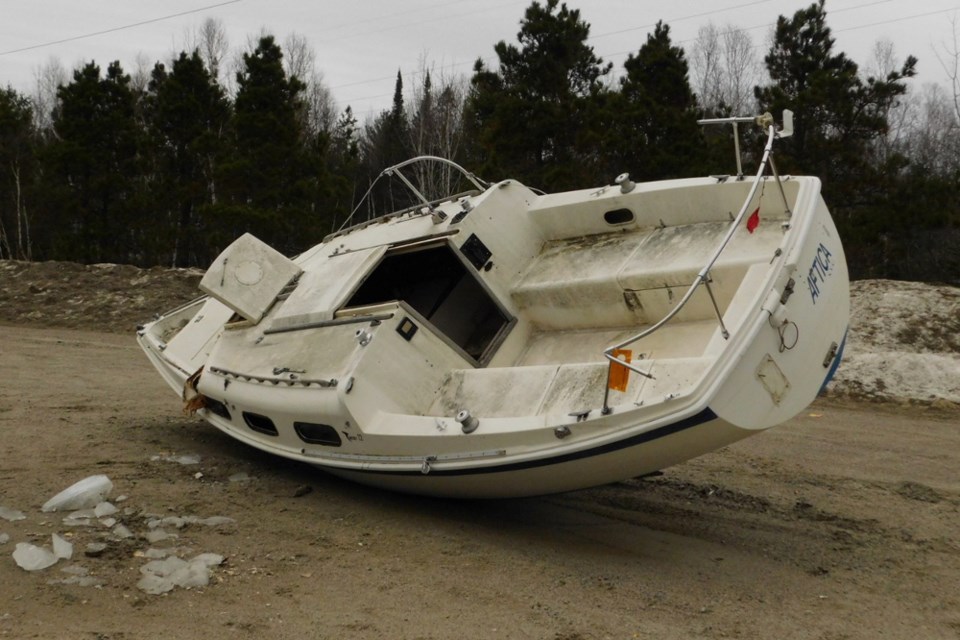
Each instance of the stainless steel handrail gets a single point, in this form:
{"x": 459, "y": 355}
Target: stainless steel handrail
{"x": 395, "y": 170}
{"x": 703, "y": 276}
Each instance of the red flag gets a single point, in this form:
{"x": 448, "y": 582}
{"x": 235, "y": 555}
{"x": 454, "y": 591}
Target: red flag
{"x": 754, "y": 220}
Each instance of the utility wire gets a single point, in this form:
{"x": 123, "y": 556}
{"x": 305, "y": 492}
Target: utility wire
{"x": 615, "y": 54}
{"x": 120, "y": 28}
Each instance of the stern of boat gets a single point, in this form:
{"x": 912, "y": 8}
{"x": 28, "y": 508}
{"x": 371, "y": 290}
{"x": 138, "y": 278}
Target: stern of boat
{"x": 800, "y": 332}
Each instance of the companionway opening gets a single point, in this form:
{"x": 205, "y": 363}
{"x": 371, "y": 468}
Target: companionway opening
{"x": 437, "y": 284}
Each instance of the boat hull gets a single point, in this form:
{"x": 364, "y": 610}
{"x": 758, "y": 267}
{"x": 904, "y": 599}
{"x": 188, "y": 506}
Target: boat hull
{"x": 496, "y": 385}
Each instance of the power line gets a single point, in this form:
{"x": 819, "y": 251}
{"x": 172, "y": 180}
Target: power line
{"x": 681, "y": 19}
{"x": 605, "y": 56}
{"x": 120, "y": 28}
{"x": 647, "y": 26}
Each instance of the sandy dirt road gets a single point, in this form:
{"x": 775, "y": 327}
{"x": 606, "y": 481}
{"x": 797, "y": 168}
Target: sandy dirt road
{"x": 843, "y": 523}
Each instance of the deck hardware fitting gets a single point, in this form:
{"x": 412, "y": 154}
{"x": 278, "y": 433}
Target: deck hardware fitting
{"x": 831, "y": 354}
{"x": 425, "y": 467}
{"x": 787, "y": 291}
{"x": 467, "y": 422}
{"x": 626, "y": 184}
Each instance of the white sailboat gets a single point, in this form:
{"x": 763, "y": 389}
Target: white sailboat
{"x": 503, "y": 342}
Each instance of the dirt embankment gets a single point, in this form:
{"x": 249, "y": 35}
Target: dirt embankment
{"x": 102, "y": 297}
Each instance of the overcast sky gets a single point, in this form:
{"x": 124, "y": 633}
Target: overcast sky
{"x": 360, "y": 45}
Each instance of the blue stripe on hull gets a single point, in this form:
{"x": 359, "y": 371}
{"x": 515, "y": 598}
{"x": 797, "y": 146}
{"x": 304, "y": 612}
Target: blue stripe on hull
{"x": 687, "y": 423}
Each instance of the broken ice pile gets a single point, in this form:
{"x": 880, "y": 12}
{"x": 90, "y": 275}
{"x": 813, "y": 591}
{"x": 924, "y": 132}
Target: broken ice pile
{"x": 30, "y": 557}
{"x": 161, "y": 576}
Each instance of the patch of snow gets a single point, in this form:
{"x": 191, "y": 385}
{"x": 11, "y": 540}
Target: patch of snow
{"x": 903, "y": 343}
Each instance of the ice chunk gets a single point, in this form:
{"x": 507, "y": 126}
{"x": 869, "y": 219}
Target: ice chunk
{"x": 122, "y": 531}
{"x": 104, "y": 509}
{"x": 164, "y": 568}
{"x": 61, "y": 548}
{"x": 240, "y": 477}
{"x": 77, "y": 575}
{"x": 82, "y": 581}
{"x": 95, "y": 549}
{"x": 175, "y": 521}
{"x": 108, "y": 522}
{"x": 186, "y": 459}
{"x": 161, "y": 576}
{"x": 82, "y": 495}
{"x": 4, "y": 538}
{"x": 158, "y": 535}
{"x": 33, "y": 558}
{"x": 75, "y": 570}
{"x": 154, "y": 584}
{"x": 158, "y": 575}
{"x": 215, "y": 521}
{"x": 208, "y": 559}
{"x": 11, "y": 514}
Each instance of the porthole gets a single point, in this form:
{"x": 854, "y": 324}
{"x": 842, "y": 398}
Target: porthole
{"x": 217, "y": 408}
{"x": 618, "y": 216}
{"x": 259, "y": 423}
{"x": 317, "y": 434}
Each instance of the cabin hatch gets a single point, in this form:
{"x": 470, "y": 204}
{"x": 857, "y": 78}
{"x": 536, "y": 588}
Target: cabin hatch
{"x": 438, "y": 285}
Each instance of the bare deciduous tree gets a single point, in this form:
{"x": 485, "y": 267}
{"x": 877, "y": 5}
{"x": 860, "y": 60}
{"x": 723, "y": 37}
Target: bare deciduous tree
{"x": 436, "y": 126}
{"x": 901, "y": 115}
{"x": 725, "y": 69}
{"x": 932, "y": 138}
{"x": 48, "y": 79}
{"x": 300, "y": 61}
{"x": 949, "y": 58}
{"x": 210, "y": 41}
{"x": 213, "y": 45}
{"x": 140, "y": 76}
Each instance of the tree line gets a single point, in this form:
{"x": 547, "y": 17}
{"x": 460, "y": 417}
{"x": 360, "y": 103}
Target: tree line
{"x": 166, "y": 167}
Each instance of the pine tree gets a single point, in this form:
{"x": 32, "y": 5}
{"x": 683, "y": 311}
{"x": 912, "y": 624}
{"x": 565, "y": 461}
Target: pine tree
{"x": 186, "y": 112}
{"x": 93, "y": 168}
{"x": 838, "y": 120}
{"x": 657, "y": 134}
{"x": 267, "y": 179}
{"x": 837, "y": 116}
{"x": 17, "y": 168}
{"x": 527, "y": 114}
{"x": 386, "y": 141}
